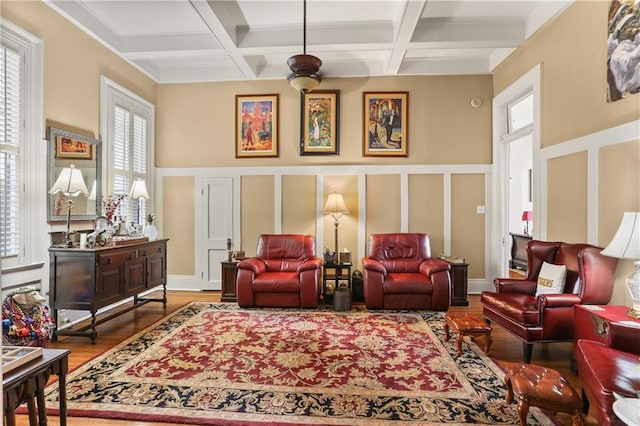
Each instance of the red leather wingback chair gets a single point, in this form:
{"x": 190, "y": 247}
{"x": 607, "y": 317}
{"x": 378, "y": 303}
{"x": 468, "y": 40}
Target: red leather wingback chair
{"x": 607, "y": 368}
{"x": 549, "y": 317}
{"x": 399, "y": 273}
{"x": 284, "y": 273}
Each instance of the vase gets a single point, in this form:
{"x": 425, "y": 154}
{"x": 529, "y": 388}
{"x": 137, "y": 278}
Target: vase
{"x": 151, "y": 232}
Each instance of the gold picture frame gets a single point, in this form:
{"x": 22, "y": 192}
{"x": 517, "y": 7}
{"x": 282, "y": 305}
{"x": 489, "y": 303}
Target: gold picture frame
{"x": 320, "y": 123}
{"x": 257, "y": 126}
{"x": 385, "y": 124}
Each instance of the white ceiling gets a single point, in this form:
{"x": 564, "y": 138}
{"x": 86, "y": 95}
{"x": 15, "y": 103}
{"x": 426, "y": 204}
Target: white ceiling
{"x": 226, "y": 40}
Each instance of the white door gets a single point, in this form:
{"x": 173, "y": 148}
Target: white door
{"x": 217, "y": 228}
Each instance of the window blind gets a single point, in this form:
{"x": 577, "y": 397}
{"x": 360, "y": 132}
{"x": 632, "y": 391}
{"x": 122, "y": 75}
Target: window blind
{"x": 10, "y": 113}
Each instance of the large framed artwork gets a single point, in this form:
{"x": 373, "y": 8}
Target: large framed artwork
{"x": 319, "y": 125}
{"x": 623, "y": 45}
{"x": 385, "y": 124}
{"x": 257, "y": 125}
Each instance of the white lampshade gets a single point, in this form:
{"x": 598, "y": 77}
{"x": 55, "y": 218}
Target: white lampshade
{"x": 139, "y": 190}
{"x": 626, "y": 241}
{"x": 304, "y": 84}
{"x": 335, "y": 205}
{"x": 92, "y": 194}
{"x": 70, "y": 182}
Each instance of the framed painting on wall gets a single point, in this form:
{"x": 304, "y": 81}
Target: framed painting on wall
{"x": 319, "y": 125}
{"x": 385, "y": 124}
{"x": 257, "y": 125}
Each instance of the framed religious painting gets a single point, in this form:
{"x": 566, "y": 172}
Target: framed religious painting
{"x": 257, "y": 125}
{"x": 319, "y": 124}
{"x": 385, "y": 124}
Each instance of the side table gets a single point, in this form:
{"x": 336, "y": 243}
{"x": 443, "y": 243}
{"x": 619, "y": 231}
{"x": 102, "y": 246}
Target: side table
{"x": 458, "y": 274}
{"x": 28, "y": 381}
{"x": 335, "y": 272}
{"x": 228, "y": 281}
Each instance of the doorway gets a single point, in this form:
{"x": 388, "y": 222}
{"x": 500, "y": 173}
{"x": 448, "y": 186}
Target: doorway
{"x": 516, "y": 145}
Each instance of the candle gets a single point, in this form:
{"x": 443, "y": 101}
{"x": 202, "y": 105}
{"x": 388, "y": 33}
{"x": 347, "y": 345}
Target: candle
{"x": 83, "y": 240}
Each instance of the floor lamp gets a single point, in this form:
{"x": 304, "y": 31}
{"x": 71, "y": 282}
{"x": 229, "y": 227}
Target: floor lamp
{"x": 70, "y": 183}
{"x": 139, "y": 191}
{"x": 336, "y": 207}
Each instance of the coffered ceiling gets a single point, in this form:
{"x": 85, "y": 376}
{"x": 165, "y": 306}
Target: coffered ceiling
{"x": 227, "y": 40}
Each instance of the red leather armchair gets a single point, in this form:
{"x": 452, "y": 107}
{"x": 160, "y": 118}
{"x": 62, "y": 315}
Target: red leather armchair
{"x": 549, "y": 317}
{"x": 608, "y": 368}
{"x": 284, "y": 273}
{"x": 399, "y": 273}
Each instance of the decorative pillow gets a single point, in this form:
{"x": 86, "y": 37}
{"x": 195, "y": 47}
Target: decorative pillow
{"x": 551, "y": 279}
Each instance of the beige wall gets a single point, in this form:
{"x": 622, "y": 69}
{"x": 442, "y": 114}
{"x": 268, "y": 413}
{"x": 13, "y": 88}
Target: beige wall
{"x": 177, "y": 222}
{"x": 257, "y": 211}
{"x": 467, "y": 226}
{"x": 426, "y": 209}
{"x": 573, "y": 52}
{"x": 203, "y": 115}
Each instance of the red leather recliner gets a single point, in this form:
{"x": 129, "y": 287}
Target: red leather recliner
{"x": 607, "y": 368}
{"x": 549, "y": 317}
{"x": 399, "y": 273}
{"x": 284, "y": 273}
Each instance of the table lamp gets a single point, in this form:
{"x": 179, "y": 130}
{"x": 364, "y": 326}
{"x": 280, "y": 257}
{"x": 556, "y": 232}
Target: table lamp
{"x": 335, "y": 207}
{"x": 527, "y": 216}
{"x": 626, "y": 245}
{"x": 70, "y": 183}
{"x": 139, "y": 191}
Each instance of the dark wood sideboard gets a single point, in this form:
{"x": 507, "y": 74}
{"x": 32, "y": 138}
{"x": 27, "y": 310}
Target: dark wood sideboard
{"x": 90, "y": 279}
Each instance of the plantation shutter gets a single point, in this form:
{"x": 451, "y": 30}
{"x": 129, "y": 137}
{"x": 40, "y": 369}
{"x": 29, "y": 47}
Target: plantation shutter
{"x": 10, "y": 117}
{"x": 129, "y": 159}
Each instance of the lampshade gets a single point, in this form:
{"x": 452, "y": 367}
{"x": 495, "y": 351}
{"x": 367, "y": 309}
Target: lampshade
{"x": 527, "y": 215}
{"x": 335, "y": 206}
{"x": 139, "y": 190}
{"x": 70, "y": 182}
{"x": 92, "y": 194}
{"x": 626, "y": 241}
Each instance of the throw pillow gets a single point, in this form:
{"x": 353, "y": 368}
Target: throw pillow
{"x": 551, "y": 279}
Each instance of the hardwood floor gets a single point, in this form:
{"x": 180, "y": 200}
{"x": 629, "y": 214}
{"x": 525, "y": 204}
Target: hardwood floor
{"x": 505, "y": 347}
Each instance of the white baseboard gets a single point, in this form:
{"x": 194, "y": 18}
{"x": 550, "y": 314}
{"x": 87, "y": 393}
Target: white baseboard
{"x": 184, "y": 283}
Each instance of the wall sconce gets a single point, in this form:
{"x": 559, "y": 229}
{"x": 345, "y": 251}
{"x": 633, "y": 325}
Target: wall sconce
{"x": 70, "y": 183}
{"x": 335, "y": 207}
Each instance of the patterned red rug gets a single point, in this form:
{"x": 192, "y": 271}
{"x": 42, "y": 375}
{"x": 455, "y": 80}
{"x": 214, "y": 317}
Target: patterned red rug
{"x": 215, "y": 364}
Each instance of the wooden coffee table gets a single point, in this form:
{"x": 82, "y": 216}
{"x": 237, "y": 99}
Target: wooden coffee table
{"x": 467, "y": 325}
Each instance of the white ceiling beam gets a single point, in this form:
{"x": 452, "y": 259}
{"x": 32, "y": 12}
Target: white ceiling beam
{"x": 445, "y": 66}
{"x": 169, "y": 42}
{"x": 408, "y": 23}
{"x": 500, "y": 31}
{"x": 219, "y": 31}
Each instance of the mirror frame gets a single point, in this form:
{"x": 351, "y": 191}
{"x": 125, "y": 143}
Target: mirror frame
{"x": 54, "y": 133}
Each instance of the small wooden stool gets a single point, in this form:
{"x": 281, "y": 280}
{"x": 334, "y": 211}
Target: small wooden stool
{"x": 467, "y": 325}
{"x": 541, "y": 387}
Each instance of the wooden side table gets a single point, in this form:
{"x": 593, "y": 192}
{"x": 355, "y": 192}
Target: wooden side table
{"x": 458, "y": 274}
{"x": 335, "y": 272}
{"x": 229, "y": 274}
{"x": 27, "y": 382}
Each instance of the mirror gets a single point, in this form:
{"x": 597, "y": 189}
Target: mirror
{"x": 66, "y": 149}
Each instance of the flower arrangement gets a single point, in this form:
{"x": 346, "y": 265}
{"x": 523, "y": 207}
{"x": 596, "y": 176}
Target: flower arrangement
{"x": 110, "y": 205}
{"x": 150, "y": 218}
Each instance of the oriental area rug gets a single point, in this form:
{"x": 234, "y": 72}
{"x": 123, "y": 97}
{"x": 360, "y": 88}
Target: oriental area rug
{"x": 217, "y": 364}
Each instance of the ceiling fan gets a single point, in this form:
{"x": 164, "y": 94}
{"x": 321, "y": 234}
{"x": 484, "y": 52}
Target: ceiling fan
{"x": 305, "y": 68}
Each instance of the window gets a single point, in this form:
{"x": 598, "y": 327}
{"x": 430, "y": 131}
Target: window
{"x": 520, "y": 113}
{"x": 10, "y": 106}
{"x": 20, "y": 102}
{"x": 128, "y": 131}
